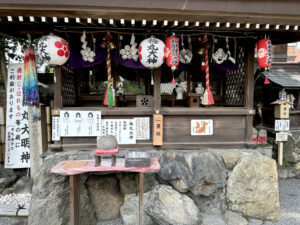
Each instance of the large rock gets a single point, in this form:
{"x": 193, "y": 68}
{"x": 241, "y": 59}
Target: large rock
{"x": 105, "y": 195}
{"x": 128, "y": 183}
{"x": 107, "y": 142}
{"x": 130, "y": 210}
{"x": 7, "y": 177}
{"x": 169, "y": 207}
{"x": 202, "y": 173}
{"x": 162, "y": 206}
{"x": 230, "y": 158}
{"x": 252, "y": 188}
{"x": 23, "y": 185}
{"x": 289, "y": 153}
{"x": 234, "y": 218}
{"x": 213, "y": 204}
{"x": 50, "y": 202}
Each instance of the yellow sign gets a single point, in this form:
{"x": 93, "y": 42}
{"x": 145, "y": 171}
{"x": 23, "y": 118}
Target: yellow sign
{"x": 75, "y": 164}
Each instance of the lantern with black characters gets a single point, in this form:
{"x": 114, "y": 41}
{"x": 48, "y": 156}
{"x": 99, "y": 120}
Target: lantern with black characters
{"x": 53, "y": 50}
{"x": 152, "y": 54}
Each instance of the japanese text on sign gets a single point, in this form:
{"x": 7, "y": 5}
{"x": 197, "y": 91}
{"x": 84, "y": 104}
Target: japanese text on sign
{"x": 282, "y": 125}
{"x": 123, "y": 129}
{"x": 142, "y": 128}
{"x": 55, "y": 128}
{"x": 157, "y": 130}
{"x": 17, "y": 152}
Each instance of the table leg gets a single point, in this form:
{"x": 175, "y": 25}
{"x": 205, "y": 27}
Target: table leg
{"x": 141, "y": 194}
{"x": 74, "y": 199}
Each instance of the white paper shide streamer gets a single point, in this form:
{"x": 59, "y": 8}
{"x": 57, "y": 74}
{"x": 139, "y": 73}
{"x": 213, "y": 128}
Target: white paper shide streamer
{"x": 88, "y": 55}
{"x": 130, "y": 51}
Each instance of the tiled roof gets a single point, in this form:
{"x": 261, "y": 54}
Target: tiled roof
{"x": 286, "y": 78}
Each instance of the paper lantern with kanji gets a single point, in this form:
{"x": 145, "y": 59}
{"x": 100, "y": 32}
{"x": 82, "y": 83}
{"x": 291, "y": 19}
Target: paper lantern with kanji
{"x": 264, "y": 53}
{"x": 53, "y": 50}
{"x": 172, "y": 52}
{"x": 152, "y": 52}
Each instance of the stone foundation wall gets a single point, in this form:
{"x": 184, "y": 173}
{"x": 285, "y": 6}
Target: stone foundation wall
{"x": 192, "y": 187}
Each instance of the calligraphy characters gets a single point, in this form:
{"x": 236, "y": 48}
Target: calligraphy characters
{"x": 152, "y": 52}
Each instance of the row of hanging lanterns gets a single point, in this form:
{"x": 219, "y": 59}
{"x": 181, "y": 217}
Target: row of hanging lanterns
{"x": 152, "y": 52}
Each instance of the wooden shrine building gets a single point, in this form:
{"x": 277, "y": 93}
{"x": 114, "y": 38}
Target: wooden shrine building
{"x": 233, "y": 25}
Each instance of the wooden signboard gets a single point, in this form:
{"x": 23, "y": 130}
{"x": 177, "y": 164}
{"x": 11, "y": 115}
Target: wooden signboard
{"x": 281, "y": 136}
{"x": 157, "y": 130}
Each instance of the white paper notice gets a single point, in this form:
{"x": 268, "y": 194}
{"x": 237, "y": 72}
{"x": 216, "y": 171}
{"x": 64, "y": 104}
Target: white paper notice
{"x": 55, "y": 128}
{"x": 80, "y": 123}
{"x": 17, "y": 152}
{"x": 142, "y": 128}
{"x": 123, "y": 129}
{"x": 201, "y": 127}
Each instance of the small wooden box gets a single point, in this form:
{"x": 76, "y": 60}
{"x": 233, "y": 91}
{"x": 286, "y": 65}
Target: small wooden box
{"x": 281, "y": 109}
{"x": 144, "y": 101}
{"x": 194, "y": 100}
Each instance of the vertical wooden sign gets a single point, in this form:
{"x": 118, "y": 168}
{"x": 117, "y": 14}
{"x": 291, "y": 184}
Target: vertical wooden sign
{"x": 157, "y": 130}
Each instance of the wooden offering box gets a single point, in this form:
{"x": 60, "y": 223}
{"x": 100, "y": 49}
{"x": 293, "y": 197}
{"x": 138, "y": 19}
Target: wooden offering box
{"x": 194, "y": 100}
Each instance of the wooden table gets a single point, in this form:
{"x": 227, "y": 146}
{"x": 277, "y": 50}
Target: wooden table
{"x": 74, "y": 168}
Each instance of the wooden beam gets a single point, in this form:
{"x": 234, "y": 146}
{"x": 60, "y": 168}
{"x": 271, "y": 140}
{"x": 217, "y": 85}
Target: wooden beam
{"x": 156, "y": 92}
{"x": 74, "y": 199}
{"x": 150, "y": 14}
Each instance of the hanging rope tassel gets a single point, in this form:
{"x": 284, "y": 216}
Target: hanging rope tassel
{"x": 208, "y": 98}
{"x": 173, "y": 80}
{"x": 267, "y": 81}
{"x": 109, "y": 99}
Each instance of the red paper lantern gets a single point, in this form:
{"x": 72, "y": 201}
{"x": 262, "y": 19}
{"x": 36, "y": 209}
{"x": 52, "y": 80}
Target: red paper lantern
{"x": 172, "y": 52}
{"x": 264, "y": 53}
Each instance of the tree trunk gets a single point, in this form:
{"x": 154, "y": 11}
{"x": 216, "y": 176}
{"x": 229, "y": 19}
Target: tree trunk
{"x": 3, "y": 69}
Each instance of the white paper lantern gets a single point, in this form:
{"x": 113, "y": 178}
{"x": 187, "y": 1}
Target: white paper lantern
{"x": 152, "y": 52}
{"x": 53, "y": 50}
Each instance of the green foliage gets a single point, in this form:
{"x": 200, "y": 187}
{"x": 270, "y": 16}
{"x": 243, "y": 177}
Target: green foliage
{"x": 133, "y": 88}
{"x": 9, "y": 45}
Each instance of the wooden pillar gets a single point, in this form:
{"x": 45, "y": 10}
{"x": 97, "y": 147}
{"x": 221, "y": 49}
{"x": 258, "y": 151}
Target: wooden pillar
{"x": 57, "y": 87}
{"x": 249, "y": 91}
{"x": 141, "y": 202}
{"x": 156, "y": 92}
{"x": 58, "y": 96}
{"x": 74, "y": 199}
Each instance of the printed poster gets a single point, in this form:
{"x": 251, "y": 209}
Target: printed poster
{"x": 17, "y": 151}
{"x": 80, "y": 123}
{"x": 142, "y": 128}
{"x": 123, "y": 129}
{"x": 55, "y": 128}
{"x": 201, "y": 127}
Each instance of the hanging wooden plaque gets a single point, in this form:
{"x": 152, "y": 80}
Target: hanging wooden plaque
{"x": 157, "y": 130}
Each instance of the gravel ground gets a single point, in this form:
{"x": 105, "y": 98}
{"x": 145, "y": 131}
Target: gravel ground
{"x": 289, "y": 191}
